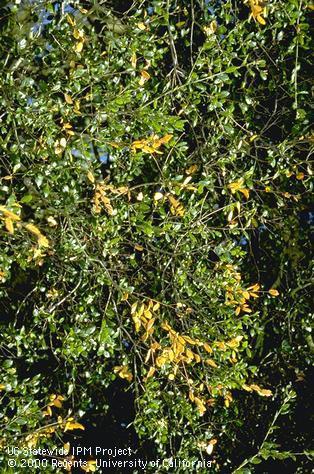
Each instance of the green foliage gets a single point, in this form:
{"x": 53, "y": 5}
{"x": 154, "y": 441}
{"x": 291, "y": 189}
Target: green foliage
{"x": 202, "y": 115}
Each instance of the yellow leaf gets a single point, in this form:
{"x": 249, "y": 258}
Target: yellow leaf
{"x": 137, "y": 323}
{"x": 246, "y": 294}
{"x": 68, "y": 100}
{"x": 123, "y": 372}
{"x": 254, "y": 287}
{"x": 150, "y": 324}
{"x": 238, "y": 310}
{"x": 245, "y": 192}
{"x": 43, "y": 241}
{"x": 48, "y": 411}
{"x": 78, "y": 34}
{"x": 200, "y": 406}
{"x": 212, "y": 28}
{"x": 233, "y": 343}
{"x": 57, "y": 403}
{"x": 90, "y": 466}
{"x": 91, "y": 177}
{"x": 176, "y": 208}
{"x": 189, "y": 340}
{"x": 171, "y": 376}
{"x": 133, "y": 307}
{"x": 144, "y": 77}
{"x": 235, "y": 186}
{"x": 9, "y": 214}
{"x": 73, "y": 425}
{"x": 192, "y": 169}
{"x": 141, "y": 26}
{"x": 66, "y": 448}
{"x": 8, "y": 222}
{"x": 151, "y": 372}
{"x": 156, "y": 306}
{"x": 207, "y": 348}
{"x": 138, "y": 247}
{"x": 300, "y": 176}
{"x": 70, "y": 20}
{"x": 133, "y": 60}
{"x": 189, "y": 353}
{"x": 260, "y": 20}
{"x": 147, "y": 314}
{"x": 261, "y": 391}
{"x": 160, "y": 361}
{"x": 211, "y": 363}
{"x": 79, "y": 46}
{"x": 163, "y": 140}
{"x": 273, "y": 292}
{"x": 33, "y": 229}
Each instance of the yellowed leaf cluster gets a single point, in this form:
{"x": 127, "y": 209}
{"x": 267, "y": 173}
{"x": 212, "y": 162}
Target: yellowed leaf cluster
{"x": 70, "y": 424}
{"x": 101, "y": 198}
{"x": 42, "y": 241}
{"x": 239, "y": 297}
{"x": 228, "y": 399}
{"x": 32, "y": 439}
{"x": 78, "y": 34}
{"x": 9, "y": 219}
{"x": 211, "y": 28}
{"x": 55, "y": 401}
{"x": 261, "y": 391}
{"x": 67, "y": 128}
{"x": 144, "y": 315}
{"x": 176, "y": 208}
{"x": 186, "y": 185}
{"x": 60, "y": 145}
{"x": 151, "y": 144}
{"x": 123, "y": 371}
{"x": 238, "y": 186}
{"x": 258, "y": 10}
{"x": 183, "y": 351}
{"x": 200, "y": 402}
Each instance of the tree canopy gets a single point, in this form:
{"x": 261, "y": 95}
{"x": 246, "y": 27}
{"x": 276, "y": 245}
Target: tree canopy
{"x": 155, "y": 225}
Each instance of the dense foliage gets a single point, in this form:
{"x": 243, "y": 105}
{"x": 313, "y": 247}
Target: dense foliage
{"x": 155, "y": 228}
